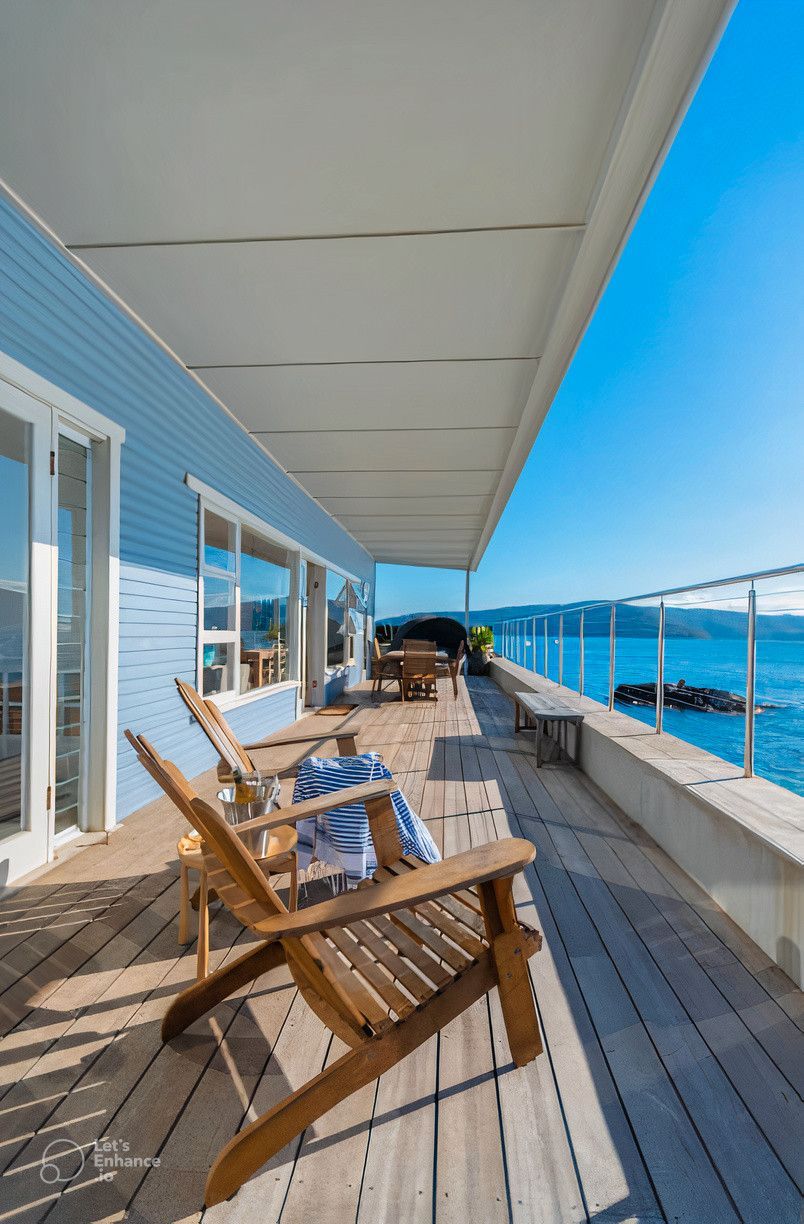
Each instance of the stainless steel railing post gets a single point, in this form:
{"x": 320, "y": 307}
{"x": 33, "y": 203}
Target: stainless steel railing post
{"x": 660, "y": 671}
{"x": 533, "y": 660}
{"x": 612, "y": 639}
{"x": 750, "y": 682}
{"x": 545, "y": 647}
{"x": 560, "y": 648}
{"x": 580, "y": 651}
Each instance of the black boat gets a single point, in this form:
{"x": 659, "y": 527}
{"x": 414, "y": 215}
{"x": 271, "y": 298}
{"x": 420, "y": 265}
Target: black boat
{"x": 682, "y": 696}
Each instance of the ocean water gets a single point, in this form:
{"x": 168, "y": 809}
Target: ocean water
{"x": 778, "y": 731}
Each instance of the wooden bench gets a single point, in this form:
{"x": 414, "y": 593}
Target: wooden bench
{"x": 539, "y": 710}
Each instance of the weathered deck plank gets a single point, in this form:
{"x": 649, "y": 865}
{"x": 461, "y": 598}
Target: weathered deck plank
{"x": 673, "y": 1062}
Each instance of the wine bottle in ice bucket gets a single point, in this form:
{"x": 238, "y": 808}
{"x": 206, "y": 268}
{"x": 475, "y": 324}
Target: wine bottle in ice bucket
{"x": 246, "y": 786}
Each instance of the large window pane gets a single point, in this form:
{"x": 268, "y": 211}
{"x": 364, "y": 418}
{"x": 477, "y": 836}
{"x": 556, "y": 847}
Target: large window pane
{"x": 219, "y": 542}
{"x": 14, "y": 540}
{"x": 219, "y": 604}
{"x": 336, "y": 618}
{"x": 264, "y": 594}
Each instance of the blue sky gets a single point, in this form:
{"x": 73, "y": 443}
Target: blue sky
{"x": 674, "y": 450}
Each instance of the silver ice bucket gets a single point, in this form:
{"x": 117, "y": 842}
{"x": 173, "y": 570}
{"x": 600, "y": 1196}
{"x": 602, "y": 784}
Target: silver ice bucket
{"x": 266, "y": 797}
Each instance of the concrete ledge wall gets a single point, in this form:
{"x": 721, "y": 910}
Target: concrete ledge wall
{"x": 741, "y": 839}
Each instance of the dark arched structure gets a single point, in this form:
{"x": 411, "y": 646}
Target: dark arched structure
{"x": 443, "y": 630}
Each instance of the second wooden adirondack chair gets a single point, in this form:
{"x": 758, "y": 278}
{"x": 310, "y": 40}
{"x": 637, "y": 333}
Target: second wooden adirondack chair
{"x": 383, "y": 966}
{"x": 236, "y": 756}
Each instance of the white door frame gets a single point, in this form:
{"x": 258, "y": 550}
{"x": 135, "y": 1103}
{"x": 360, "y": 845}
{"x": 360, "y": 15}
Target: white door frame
{"x": 30, "y": 395}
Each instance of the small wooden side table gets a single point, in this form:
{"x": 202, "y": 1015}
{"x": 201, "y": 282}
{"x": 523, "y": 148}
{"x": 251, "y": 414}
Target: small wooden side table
{"x": 280, "y": 859}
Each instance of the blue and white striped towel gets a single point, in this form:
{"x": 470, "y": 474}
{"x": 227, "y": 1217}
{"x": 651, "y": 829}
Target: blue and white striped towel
{"x": 342, "y": 837}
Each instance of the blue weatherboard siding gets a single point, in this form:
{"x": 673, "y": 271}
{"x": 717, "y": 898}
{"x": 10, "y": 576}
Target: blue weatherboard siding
{"x": 54, "y": 320}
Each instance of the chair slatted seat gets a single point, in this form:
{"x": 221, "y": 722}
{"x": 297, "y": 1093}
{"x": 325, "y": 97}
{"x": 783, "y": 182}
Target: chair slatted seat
{"x": 384, "y": 965}
{"x": 365, "y": 952}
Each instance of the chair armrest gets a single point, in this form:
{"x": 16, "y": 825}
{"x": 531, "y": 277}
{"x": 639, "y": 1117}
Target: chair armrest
{"x": 316, "y": 807}
{"x": 503, "y": 858}
{"x": 305, "y": 737}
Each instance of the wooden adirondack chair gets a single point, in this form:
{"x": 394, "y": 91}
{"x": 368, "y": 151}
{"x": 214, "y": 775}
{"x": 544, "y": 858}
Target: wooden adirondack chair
{"x": 384, "y": 966}
{"x": 235, "y": 755}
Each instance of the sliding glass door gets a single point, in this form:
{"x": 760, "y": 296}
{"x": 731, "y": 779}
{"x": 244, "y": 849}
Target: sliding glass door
{"x": 45, "y": 603}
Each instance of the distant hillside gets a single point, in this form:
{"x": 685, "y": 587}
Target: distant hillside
{"x": 641, "y": 622}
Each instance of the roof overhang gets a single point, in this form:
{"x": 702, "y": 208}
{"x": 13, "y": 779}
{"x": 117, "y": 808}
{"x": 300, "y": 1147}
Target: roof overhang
{"x": 375, "y": 232}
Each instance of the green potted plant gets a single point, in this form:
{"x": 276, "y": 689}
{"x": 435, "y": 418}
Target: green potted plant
{"x": 481, "y": 649}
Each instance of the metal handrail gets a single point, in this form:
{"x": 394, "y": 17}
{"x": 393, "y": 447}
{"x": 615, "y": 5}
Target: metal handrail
{"x": 510, "y": 643}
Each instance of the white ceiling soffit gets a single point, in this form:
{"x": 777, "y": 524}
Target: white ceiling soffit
{"x": 376, "y": 231}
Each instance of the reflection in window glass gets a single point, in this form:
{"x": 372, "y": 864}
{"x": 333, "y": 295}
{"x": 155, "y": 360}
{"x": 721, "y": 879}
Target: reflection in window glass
{"x": 14, "y": 544}
{"x": 357, "y": 622}
{"x": 219, "y": 542}
{"x": 336, "y": 618}
{"x": 219, "y": 603}
{"x": 264, "y": 594}
{"x": 218, "y": 668}
{"x": 73, "y": 630}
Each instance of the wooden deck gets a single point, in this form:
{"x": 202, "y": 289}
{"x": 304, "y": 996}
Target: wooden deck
{"x": 669, "y": 1088}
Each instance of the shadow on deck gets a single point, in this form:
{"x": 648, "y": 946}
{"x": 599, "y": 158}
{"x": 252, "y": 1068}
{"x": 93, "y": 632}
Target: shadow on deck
{"x": 669, "y": 1087}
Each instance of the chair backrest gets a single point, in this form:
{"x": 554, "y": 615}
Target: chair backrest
{"x": 216, "y": 729}
{"x": 413, "y": 646}
{"x": 229, "y": 849}
{"x": 419, "y": 663}
{"x": 337, "y": 999}
{"x": 376, "y": 653}
{"x": 460, "y": 652}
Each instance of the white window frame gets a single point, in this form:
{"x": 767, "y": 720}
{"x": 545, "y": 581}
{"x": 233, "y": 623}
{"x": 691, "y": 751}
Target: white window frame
{"x": 229, "y": 698}
{"x": 350, "y": 659}
{"x": 225, "y": 507}
{"x": 212, "y": 637}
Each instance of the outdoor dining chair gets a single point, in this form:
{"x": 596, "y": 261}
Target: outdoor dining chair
{"x": 419, "y": 670}
{"x": 382, "y": 669}
{"x": 383, "y": 966}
